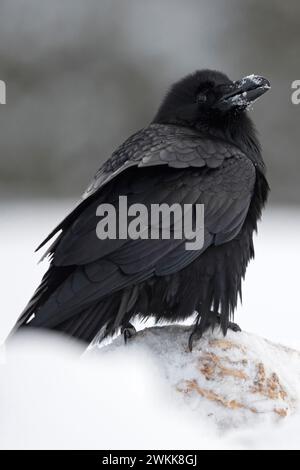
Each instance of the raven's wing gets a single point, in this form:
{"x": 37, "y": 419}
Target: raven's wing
{"x": 158, "y": 144}
{"x": 103, "y": 269}
{"x": 155, "y": 145}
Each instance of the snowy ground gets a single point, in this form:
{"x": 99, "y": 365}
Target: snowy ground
{"x": 238, "y": 381}
{"x": 47, "y": 399}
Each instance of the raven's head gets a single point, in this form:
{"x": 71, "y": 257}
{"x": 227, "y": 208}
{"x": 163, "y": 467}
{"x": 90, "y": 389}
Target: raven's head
{"x": 209, "y": 99}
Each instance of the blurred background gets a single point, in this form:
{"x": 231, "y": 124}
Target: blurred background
{"x": 82, "y": 75}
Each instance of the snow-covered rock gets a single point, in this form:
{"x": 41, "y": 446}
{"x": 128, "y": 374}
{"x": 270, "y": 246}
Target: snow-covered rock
{"x": 233, "y": 380}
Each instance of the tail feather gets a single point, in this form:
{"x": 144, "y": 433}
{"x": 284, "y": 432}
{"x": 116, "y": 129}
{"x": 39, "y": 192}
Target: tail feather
{"x": 87, "y": 323}
{"x": 51, "y": 280}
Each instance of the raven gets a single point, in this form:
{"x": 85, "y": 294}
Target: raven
{"x": 201, "y": 147}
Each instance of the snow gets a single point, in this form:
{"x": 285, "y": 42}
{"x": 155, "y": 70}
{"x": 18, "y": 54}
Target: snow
{"x": 122, "y": 398}
{"x": 234, "y": 381}
{"x": 257, "y": 80}
{"x": 51, "y": 399}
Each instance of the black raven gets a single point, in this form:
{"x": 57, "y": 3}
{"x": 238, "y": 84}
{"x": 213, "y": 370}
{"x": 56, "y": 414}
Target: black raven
{"x": 201, "y": 147}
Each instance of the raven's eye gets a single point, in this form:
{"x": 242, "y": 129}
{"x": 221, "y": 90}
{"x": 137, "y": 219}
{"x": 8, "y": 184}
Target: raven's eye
{"x": 201, "y": 98}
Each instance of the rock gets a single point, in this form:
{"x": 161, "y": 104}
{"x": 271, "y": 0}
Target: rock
{"x": 234, "y": 379}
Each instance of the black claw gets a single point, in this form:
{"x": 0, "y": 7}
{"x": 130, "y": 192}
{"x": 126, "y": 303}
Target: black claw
{"x": 198, "y": 329}
{"x": 231, "y": 326}
{"x": 128, "y": 331}
{"x": 191, "y": 342}
{"x": 234, "y": 327}
{"x": 196, "y": 333}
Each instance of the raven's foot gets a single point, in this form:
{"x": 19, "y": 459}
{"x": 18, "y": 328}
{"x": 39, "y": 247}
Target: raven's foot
{"x": 231, "y": 326}
{"x": 128, "y": 331}
{"x": 234, "y": 327}
{"x": 196, "y": 333}
{"x": 199, "y": 329}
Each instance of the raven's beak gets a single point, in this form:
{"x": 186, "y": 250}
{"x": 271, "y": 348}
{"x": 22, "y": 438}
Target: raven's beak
{"x": 244, "y": 92}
